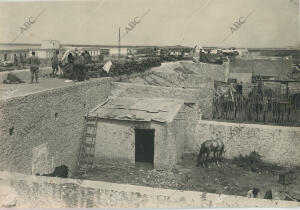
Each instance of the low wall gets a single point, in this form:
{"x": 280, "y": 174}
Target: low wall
{"x": 52, "y": 120}
{"x": 42, "y": 192}
{"x": 203, "y": 97}
{"x": 213, "y": 71}
{"x": 262, "y": 66}
{"x": 24, "y": 74}
{"x": 276, "y": 144}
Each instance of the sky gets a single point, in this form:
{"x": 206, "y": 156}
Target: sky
{"x": 272, "y": 23}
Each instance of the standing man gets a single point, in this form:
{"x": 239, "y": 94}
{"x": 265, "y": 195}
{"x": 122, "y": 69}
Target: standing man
{"x": 15, "y": 60}
{"x": 54, "y": 62}
{"x": 21, "y": 60}
{"x": 78, "y": 66}
{"x": 87, "y": 57}
{"x": 34, "y": 63}
{"x": 254, "y": 193}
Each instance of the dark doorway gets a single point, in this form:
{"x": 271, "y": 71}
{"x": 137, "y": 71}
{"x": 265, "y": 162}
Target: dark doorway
{"x": 144, "y": 145}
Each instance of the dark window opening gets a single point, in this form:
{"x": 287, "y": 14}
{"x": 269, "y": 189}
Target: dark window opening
{"x": 56, "y": 115}
{"x": 84, "y": 105}
{"x": 144, "y": 145}
{"x": 11, "y": 131}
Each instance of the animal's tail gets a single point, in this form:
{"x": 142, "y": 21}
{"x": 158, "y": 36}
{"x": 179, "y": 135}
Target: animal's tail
{"x": 38, "y": 174}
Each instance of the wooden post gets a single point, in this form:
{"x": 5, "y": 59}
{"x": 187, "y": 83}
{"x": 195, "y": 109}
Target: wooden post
{"x": 119, "y": 42}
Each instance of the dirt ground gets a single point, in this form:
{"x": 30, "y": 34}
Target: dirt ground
{"x": 228, "y": 178}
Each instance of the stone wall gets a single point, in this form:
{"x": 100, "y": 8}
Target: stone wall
{"x": 276, "y": 144}
{"x": 49, "y": 192}
{"x": 262, "y": 66}
{"x": 54, "y": 117}
{"x": 212, "y": 71}
{"x": 202, "y": 97}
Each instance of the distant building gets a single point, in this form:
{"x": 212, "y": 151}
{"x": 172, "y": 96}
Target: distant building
{"x": 47, "y": 48}
{"x": 44, "y": 50}
{"x": 8, "y": 50}
{"x": 50, "y": 44}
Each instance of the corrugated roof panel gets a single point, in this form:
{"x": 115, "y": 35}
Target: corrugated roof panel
{"x": 139, "y": 109}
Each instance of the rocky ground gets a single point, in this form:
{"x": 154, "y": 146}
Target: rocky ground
{"x": 227, "y": 179}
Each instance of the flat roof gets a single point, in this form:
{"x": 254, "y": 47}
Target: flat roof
{"x": 8, "y": 91}
{"x": 139, "y": 109}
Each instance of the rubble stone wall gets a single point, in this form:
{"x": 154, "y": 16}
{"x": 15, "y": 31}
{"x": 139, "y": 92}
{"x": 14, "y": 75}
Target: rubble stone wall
{"x": 202, "y": 97}
{"x": 277, "y": 144}
{"x": 213, "y": 71}
{"x": 50, "y": 192}
{"x": 55, "y": 117}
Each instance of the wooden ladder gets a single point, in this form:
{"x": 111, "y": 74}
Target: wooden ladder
{"x": 87, "y": 146}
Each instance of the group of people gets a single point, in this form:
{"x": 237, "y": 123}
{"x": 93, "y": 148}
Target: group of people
{"x": 75, "y": 62}
{"x": 217, "y": 58}
{"x": 19, "y": 60}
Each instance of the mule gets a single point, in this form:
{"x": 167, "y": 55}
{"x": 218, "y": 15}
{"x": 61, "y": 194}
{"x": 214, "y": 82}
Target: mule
{"x": 215, "y": 146}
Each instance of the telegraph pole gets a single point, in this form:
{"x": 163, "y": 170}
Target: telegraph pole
{"x": 119, "y": 42}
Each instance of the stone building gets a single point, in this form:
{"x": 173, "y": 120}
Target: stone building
{"x": 140, "y": 130}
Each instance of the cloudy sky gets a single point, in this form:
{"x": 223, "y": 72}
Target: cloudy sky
{"x": 272, "y": 23}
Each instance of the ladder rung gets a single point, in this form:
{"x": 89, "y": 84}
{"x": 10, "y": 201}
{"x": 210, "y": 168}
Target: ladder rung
{"x": 89, "y": 135}
{"x": 85, "y": 157}
{"x": 90, "y": 118}
{"x": 90, "y": 125}
{"x": 89, "y": 144}
{"x": 91, "y": 155}
{"x": 84, "y": 166}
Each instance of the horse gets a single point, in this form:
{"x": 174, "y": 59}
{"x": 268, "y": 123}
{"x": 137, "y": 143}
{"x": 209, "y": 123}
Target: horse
{"x": 215, "y": 146}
